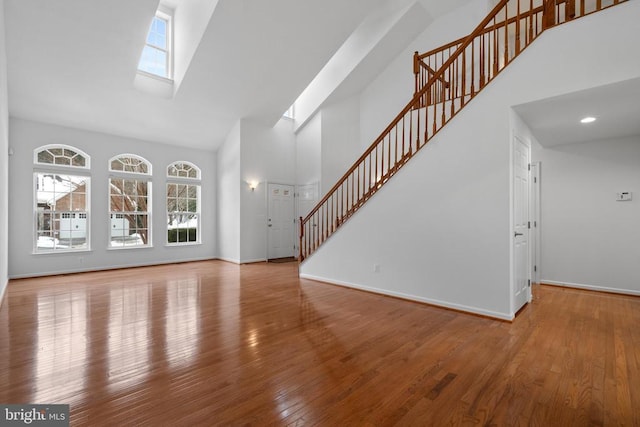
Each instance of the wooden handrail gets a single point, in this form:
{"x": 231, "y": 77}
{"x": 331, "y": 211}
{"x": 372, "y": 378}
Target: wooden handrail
{"x": 440, "y": 94}
{"x": 419, "y": 58}
{"x": 416, "y": 98}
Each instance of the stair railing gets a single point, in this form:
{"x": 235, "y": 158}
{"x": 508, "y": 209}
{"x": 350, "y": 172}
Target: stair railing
{"x": 523, "y": 19}
{"x": 443, "y": 91}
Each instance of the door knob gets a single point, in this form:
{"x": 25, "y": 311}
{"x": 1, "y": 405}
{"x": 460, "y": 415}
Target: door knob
{"x": 516, "y": 234}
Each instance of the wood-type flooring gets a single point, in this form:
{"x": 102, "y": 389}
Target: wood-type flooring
{"x": 213, "y": 343}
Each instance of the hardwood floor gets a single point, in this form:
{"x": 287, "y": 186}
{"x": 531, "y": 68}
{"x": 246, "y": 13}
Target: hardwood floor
{"x": 212, "y": 343}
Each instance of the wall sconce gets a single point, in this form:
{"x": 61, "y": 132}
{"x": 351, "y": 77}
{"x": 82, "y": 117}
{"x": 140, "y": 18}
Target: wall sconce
{"x": 253, "y": 184}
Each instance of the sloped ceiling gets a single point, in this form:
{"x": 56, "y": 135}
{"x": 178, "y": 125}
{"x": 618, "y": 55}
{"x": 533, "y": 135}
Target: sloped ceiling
{"x": 73, "y": 63}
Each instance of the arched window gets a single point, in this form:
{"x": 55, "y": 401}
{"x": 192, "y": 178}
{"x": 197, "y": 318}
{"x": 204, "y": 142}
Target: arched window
{"x": 183, "y": 203}
{"x": 183, "y": 170}
{"x": 129, "y": 201}
{"x": 130, "y": 163}
{"x": 61, "y": 155}
{"x": 61, "y": 199}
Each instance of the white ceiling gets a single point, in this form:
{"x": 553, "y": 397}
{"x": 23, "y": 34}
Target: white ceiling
{"x": 73, "y": 63}
{"x": 556, "y": 120}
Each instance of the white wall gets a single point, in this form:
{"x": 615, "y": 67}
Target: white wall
{"x": 309, "y": 152}
{"x": 390, "y": 92}
{"x": 588, "y": 238}
{"x": 340, "y": 137}
{"x": 251, "y": 152}
{"x": 4, "y": 160}
{"x": 25, "y": 136}
{"x": 268, "y": 156}
{"x": 229, "y": 187}
{"x": 190, "y": 21}
{"x": 328, "y": 144}
{"x": 440, "y": 229}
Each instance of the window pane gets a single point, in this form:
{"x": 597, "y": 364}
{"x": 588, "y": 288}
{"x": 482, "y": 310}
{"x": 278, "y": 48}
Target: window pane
{"x": 78, "y": 201}
{"x": 129, "y": 164}
{"x": 61, "y": 212}
{"x": 45, "y": 157}
{"x": 158, "y": 33}
{"x": 192, "y": 191}
{"x": 153, "y": 61}
{"x": 183, "y": 170}
{"x": 128, "y": 204}
{"x": 68, "y": 153}
{"x": 172, "y": 190}
{"x": 62, "y": 157}
{"x": 78, "y": 160}
{"x": 65, "y": 161}
{"x": 182, "y": 213}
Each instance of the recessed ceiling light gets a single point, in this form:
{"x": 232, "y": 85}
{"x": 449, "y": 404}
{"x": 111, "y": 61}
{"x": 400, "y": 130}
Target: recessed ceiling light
{"x": 588, "y": 120}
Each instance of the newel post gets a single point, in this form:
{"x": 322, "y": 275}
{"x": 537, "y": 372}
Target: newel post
{"x": 300, "y": 257}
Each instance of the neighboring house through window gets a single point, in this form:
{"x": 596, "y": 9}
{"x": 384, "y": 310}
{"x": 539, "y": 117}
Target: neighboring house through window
{"x": 129, "y": 201}
{"x": 157, "y": 57}
{"x": 61, "y": 200}
{"x": 183, "y": 203}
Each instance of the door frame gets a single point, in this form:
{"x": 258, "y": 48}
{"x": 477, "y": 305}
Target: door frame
{"x": 267, "y": 201}
{"x": 534, "y": 215}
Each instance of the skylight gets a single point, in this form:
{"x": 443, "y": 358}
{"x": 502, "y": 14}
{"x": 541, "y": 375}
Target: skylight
{"x": 156, "y": 57}
{"x": 290, "y": 113}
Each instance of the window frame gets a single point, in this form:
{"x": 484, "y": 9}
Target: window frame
{"x": 182, "y": 180}
{"x": 40, "y": 168}
{"x": 38, "y": 163}
{"x": 165, "y": 15}
{"x": 147, "y": 177}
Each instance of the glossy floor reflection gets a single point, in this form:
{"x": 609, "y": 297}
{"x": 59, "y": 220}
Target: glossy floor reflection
{"x": 212, "y": 343}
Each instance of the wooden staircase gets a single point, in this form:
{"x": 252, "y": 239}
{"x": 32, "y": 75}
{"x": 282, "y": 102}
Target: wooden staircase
{"x": 446, "y": 79}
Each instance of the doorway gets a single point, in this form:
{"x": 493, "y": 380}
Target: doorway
{"x": 521, "y": 223}
{"x": 280, "y": 221}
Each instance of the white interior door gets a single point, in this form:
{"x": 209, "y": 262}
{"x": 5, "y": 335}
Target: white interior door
{"x": 280, "y": 221}
{"x": 521, "y": 267}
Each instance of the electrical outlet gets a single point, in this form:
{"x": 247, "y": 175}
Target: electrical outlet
{"x": 376, "y": 268}
{"x": 624, "y": 196}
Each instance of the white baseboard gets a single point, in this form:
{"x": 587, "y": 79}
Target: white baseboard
{"x": 111, "y": 267}
{"x": 430, "y": 301}
{"x": 244, "y": 261}
{"x": 590, "y": 287}
{"x": 251, "y": 261}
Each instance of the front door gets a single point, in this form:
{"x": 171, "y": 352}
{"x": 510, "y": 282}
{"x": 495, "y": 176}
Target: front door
{"x": 521, "y": 279}
{"x": 280, "y": 221}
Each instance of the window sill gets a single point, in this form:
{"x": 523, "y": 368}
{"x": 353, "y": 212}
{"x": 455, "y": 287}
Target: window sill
{"x": 62, "y": 251}
{"x": 153, "y": 85}
{"x": 177, "y": 245}
{"x": 155, "y": 76}
{"x": 126, "y": 248}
